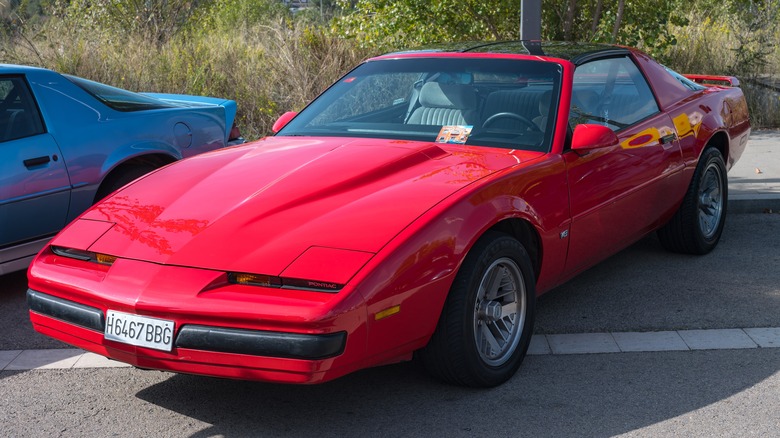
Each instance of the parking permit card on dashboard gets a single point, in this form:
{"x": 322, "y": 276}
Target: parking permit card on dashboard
{"x": 457, "y": 134}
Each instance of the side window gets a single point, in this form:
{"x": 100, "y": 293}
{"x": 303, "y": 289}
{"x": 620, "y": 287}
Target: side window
{"x": 19, "y": 116}
{"x": 611, "y": 92}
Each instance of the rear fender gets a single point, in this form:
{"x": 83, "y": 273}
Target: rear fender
{"x": 83, "y": 197}
{"x": 135, "y": 151}
{"x": 230, "y": 106}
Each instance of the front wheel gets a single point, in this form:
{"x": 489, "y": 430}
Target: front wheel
{"x": 697, "y": 225}
{"x": 487, "y": 321}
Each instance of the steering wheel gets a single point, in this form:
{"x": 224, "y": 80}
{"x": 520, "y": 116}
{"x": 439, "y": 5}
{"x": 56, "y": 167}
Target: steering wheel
{"x": 506, "y": 115}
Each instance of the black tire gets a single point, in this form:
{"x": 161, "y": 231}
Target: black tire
{"x": 121, "y": 177}
{"x": 697, "y": 225}
{"x": 459, "y": 351}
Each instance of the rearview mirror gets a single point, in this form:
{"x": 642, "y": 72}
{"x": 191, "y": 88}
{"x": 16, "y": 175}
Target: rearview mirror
{"x": 283, "y": 120}
{"x": 588, "y": 137}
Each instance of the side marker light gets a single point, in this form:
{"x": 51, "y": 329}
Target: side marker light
{"x": 387, "y": 312}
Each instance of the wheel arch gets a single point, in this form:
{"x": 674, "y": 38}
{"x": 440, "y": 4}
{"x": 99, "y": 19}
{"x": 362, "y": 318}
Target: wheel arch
{"x": 154, "y": 160}
{"x": 526, "y": 233}
{"x": 720, "y": 141}
{"x": 426, "y": 260}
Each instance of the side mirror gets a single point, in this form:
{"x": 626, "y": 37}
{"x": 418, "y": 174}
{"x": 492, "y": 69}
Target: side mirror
{"x": 283, "y": 120}
{"x": 588, "y": 137}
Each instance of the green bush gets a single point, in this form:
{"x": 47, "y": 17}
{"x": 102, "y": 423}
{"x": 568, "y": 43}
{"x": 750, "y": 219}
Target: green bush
{"x": 271, "y": 61}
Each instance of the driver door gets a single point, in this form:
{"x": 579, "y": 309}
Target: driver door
{"x": 34, "y": 183}
{"x": 618, "y": 193}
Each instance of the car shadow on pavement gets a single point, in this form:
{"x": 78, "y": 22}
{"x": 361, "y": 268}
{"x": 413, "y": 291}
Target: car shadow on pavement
{"x": 15, "y": 324}
{"x": 583, "y": 395}
{"x": 645, "y": 288}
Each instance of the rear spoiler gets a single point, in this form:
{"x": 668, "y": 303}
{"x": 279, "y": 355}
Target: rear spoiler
{"x": 731, "y": 81}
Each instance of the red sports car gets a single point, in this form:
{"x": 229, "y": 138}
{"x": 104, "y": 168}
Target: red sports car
{"x": 416, "y": 208}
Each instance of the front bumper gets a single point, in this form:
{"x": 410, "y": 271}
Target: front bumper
{"x": 198, "y": 349}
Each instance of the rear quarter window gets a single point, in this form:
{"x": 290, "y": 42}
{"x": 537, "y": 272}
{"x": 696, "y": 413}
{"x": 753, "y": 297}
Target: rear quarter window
{"x": 117, "y": 98}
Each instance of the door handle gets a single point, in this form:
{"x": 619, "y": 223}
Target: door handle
{"x": 668, "y": 138}
{"x": 37, "y": 161}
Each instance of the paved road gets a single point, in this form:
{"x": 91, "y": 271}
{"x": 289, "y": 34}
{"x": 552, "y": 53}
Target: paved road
{"x": 645, "y": 289}
{"x": 692, "y": 393}
{"x": 704, "y": 393}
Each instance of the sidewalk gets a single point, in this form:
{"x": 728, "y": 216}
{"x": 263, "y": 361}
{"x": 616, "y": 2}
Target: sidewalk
{"x": 754, "y": 182}
{"x": 561, "y": 344}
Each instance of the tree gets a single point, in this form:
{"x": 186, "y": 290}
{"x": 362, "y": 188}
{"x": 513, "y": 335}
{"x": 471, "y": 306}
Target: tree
{"x": 571, "y": 9}
{"x": 389, "y": 24}
{"x": 618, "y": 19}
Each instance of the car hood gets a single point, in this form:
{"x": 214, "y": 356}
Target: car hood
{"x": 258, "y": 207}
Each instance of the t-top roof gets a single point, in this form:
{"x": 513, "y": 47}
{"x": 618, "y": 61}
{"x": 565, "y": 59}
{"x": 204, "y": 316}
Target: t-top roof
{"x": 571, "y": 51}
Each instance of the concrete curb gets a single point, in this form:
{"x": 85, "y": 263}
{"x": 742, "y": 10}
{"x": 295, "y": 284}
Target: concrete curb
{"x": 754, "y": 203}
{"x": 553, "y": 344}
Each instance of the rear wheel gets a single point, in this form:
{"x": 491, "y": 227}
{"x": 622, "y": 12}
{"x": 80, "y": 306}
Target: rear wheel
{"x": 121, "y": 177}
{"x": 486, "y": 324}
{"x": 698, "y": 223}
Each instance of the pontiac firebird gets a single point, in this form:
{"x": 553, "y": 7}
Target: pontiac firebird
{"x": 416, "y": 209}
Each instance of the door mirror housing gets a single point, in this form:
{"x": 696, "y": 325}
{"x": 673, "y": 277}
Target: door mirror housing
{"x": 590, "y": 136}
{"x": 283, "y": 120}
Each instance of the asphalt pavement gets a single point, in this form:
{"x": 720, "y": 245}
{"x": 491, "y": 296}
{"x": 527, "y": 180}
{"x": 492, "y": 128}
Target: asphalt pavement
{"x": 641, "y": 298}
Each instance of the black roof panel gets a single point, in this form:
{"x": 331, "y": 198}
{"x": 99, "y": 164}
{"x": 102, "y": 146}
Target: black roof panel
{"x": 571, "y": 51}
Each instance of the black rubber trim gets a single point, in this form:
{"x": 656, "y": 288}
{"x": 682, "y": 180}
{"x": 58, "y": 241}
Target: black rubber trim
{"x": 68, "y": 311}
{"x": 616, "y": 52}
{"x": 261, "y": 343}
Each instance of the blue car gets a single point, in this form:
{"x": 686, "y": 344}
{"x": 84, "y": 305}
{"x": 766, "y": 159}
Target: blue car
{"x": 67, "y": 142}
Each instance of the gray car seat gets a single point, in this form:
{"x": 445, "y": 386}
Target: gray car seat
{"x": 445, "y": 104}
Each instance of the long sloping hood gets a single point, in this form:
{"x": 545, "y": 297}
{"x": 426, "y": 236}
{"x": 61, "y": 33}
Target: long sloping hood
{"x": 258, "y": 207}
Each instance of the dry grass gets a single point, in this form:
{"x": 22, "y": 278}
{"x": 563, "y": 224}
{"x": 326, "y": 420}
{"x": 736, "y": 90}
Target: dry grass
{"x": 268, "y": 69}
{"x": 723, "y": 47}
{"x": 279, "y": 66}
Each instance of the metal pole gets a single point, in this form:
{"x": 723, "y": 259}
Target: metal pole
{"x": 530, "y": 20}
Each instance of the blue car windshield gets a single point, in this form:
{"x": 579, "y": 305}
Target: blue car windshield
{"x": 117, "y": 98}
{"x": 508, "y": 103}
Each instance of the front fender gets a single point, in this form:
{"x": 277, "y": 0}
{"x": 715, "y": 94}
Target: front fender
{"x": 417, "y": 268}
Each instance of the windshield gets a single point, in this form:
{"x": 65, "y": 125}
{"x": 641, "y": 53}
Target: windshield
{"x": 474, "y": 101}
{"x": 117, "y": 98}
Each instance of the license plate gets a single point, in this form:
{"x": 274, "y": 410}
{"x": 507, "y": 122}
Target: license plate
{"x": 140, "y": 331}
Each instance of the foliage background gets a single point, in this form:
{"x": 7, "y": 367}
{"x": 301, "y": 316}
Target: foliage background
{"x": 272, "y": 59}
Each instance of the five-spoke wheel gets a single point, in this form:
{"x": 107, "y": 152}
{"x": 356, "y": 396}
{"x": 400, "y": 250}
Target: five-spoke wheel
{"x": 487, "y": 321}
{"x": 697, "y": 225}
{"x": 499, "y": 311}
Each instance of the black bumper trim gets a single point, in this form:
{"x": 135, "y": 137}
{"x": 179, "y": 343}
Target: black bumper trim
{"x": 199, "y": 337}
{"x": 68, "y": 311}
{"x": 261, "y": 343}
